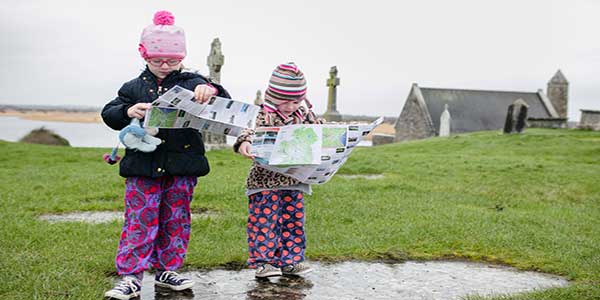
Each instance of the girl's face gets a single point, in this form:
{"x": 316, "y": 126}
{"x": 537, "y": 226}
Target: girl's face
{"x": 162, "y": 66}
{"x": 289, "y": 107}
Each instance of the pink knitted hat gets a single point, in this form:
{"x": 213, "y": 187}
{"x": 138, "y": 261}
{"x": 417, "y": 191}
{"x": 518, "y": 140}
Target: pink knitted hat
{"x": 163, "y": 38}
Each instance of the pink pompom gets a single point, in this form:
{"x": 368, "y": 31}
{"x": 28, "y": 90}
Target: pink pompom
{"x": 164, "y": 17}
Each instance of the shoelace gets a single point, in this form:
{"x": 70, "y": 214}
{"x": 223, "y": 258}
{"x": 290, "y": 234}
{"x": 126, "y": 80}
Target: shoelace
{"x": 127, "y": 284}
{"x": 266, "y": 267}
{"x": 290, "y": 268}
{"x": 295, "y": 268}
{"x": 170, "y": 275}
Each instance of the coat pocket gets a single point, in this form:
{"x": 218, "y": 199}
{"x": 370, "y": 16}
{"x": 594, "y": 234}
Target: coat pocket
{"x": 187, "y": 164}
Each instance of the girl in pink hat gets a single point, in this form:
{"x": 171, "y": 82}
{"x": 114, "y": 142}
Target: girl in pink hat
{"x": 159, "y": 184}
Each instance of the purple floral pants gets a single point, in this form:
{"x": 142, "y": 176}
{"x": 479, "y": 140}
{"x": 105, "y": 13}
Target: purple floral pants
{"x": 276, "y": 228}
{"x": 157, "y": 224}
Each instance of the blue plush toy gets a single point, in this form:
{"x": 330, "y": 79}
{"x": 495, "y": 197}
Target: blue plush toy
{"x": 135, "y": 137}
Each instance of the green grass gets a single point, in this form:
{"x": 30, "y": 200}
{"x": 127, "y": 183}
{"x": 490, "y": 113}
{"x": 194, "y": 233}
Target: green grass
{"x": 531, "y": 201}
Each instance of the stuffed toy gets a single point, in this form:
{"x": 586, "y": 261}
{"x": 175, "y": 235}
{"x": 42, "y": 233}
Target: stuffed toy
{"x": 135, "y": 137}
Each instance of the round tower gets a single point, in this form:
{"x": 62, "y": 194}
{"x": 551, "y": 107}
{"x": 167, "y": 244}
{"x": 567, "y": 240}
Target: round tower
{"x": 558, "y": 93}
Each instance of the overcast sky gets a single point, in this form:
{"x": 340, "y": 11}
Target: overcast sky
{"x": 81, "y": 52}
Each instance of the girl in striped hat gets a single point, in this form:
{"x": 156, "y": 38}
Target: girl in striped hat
{"x": 276, "y": 237}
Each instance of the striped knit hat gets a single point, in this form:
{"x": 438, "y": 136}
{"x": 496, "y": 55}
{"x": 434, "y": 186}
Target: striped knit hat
{"x": 287, "y": 83}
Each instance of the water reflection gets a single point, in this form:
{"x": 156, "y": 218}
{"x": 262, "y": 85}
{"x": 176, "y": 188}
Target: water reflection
{"x": 290, "y": 288}
{"x": 161, "y": 293}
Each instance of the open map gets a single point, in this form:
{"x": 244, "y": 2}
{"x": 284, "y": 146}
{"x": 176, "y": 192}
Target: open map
{"x": 310, "y": 153}
{"x": 297, "y": 145}
{"x": 177, "y": 109}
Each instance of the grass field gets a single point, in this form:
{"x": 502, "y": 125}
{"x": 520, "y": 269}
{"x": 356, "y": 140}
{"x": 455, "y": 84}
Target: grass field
{"x": 531, "y": 201}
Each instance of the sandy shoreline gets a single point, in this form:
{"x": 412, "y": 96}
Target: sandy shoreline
{"x": 55, "y": 116}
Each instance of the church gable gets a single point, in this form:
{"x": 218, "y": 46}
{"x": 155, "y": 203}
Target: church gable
{"x": 413, "y": 122}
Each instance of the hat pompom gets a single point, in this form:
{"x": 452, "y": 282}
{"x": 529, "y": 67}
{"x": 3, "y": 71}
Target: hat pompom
{"x": 164, "y": 17}
{"x": 289, "y": 66}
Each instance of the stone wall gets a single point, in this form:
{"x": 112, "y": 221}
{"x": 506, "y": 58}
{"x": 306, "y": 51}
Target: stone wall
{"x": 412, "y": 122}
{"x": 590, "y": 119}
{"x": 547, "y": 122}
{"x": 382, "y": 139}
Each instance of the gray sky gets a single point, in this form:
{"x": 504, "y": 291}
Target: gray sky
{"x": 81, "y": 52}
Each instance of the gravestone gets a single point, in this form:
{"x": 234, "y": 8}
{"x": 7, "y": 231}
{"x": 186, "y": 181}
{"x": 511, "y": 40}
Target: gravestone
{"x": 215, "y": 61}
{"x": 258, "y": 100}
{"x": 332, "y": 114}
{"x": 516, "y": 117}
{"x": 445, "y": 120}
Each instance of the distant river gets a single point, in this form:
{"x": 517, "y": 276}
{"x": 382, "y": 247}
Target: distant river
{"x": 78, "y": 134}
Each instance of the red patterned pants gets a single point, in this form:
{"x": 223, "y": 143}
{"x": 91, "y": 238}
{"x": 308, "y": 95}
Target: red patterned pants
{"x": 276, "y": 228}
{"x": 157, "y": 224}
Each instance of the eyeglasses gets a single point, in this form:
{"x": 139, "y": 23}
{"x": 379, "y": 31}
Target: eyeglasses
{"x": 157, "y": 62}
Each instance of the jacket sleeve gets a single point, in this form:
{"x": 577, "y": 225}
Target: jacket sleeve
{"x": 245, "y": 136}
{"x": 191, "y": 85}
{"x": 222, "y": 92}
{"x": 114, "y": 112}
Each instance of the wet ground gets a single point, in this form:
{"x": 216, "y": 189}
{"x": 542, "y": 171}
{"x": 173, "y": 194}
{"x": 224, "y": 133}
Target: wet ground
{"x": 362, "y": 280}
{"x": 347, "y": 280}
{"x": 97, "y": 217}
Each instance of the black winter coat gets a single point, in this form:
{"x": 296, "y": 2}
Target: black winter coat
{"x": 182, "y": 150}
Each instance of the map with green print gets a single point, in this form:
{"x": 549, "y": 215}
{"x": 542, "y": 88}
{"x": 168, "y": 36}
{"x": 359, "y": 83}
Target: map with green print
{"x": 161, "y": 117}
{"x": 309, "y": 153}
{"x": 334, "y": 137}
{"x": 297, "y": 145}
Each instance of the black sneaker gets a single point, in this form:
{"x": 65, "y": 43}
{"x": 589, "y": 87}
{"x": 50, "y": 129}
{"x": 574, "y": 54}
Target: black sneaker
{"x": 129, "y": 287}
{"x": 173, "y": 281}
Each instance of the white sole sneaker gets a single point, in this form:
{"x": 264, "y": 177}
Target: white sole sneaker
{"x": 303, "y": 272}
{"x": 296, "y": 270}
{"x": 112, "y": 295}
{"x": 180, "y": 287}
{"x": 270, "y": 273}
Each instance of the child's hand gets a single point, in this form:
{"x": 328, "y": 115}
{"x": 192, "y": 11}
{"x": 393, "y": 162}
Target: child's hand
{"x": 204, "y": 92}
{"x": 245, "y": 150}
{"x": 138, "y": 111}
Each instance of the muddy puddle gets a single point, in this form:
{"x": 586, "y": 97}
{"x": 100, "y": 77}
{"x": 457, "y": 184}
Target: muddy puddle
{"x": 362, "y": 280}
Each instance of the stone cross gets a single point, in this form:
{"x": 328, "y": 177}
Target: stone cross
{"x": 258, "y": 100}
{"x": 332, "y": 114}
{"x": 215, "y": 60}
{"x": 445, "y": 120}
{"x": 516, "y": 117}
